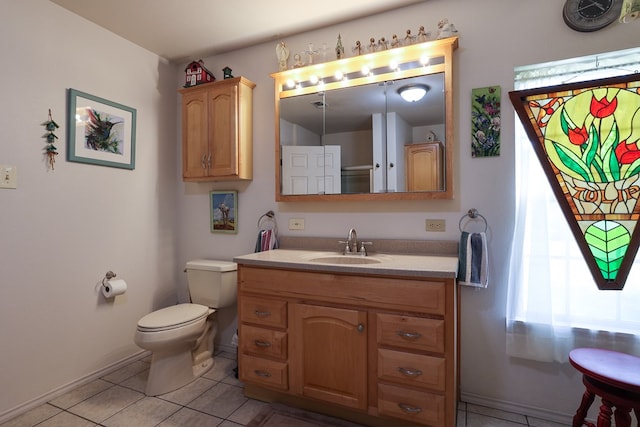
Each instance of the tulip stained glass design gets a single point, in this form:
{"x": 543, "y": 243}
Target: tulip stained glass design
{"x": 587, "y": 137}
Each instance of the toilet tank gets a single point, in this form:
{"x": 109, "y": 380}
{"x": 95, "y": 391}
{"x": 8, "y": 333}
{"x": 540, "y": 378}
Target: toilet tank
{"x": 212, "y": 283}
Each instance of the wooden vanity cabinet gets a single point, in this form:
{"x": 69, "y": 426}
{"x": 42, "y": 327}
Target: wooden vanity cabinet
{"x": 217, "y": 131}
{"x": 364, "y": 347}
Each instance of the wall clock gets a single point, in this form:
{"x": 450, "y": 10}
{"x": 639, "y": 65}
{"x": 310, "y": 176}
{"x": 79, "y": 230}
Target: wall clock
{"x": 590, "y": 15}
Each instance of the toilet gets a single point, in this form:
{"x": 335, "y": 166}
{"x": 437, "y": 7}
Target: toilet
{"x": 181, "y": 337}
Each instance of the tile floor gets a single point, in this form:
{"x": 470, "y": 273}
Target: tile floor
{"x": 216, "y": 399}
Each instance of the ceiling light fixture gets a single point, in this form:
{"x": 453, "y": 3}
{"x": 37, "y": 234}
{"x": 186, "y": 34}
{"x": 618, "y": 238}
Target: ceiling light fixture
{"x": 413, "y": 93}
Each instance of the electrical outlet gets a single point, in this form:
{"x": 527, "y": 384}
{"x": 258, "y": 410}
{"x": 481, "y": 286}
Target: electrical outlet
{"x": 8, "y": 176}
{"x": 296, "y": 224}
{"x": 435, "y": 225}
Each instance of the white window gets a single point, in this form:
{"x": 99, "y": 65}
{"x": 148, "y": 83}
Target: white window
{"x": 553, "y": 303}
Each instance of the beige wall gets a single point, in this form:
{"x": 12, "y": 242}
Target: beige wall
{"x": 61, "y": 231}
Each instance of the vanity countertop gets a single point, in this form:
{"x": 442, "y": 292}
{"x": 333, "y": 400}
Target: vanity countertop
{"x": 445, "y": 266}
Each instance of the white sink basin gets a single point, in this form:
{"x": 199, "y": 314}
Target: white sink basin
{"x": 346, "y": 259}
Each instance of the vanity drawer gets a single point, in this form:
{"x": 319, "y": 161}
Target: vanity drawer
{"x": 416, "y": 406}
{"x": 414, "y": 369}
{"x": 410, "y": 332}
{"x": 263, "y": 342}
{"x": 263, "y": 311}
{"x": 263, "y": 372}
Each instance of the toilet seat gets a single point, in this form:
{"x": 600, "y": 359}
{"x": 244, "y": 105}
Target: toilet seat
{"x": 173, "y": 317}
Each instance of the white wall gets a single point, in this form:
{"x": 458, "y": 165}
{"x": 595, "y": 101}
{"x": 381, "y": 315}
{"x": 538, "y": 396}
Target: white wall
{"x": 494, "y": 37}
{"x": 62, "y": 230}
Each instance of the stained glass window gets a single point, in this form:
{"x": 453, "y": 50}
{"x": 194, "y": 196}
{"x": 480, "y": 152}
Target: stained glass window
{"x": 586, "y": 136}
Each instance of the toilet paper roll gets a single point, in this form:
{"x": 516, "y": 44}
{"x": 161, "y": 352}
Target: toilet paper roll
{"x": 630, "y": 11}
{"x": 114, "y": 287}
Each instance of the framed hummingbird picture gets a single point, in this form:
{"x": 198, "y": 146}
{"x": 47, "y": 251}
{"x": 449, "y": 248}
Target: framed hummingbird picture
{"x": 100, "y": 132}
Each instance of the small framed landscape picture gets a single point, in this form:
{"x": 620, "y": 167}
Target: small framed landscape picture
{"x": 224, "y": 211}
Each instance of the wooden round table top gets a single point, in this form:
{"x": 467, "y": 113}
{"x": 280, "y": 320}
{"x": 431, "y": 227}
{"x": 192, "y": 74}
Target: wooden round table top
{"x": 610, "y": 367}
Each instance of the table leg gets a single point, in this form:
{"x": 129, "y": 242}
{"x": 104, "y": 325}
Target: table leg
{"x": 622, "y": 417}
{"x": 604, "y": 417}
{"x": 581, "y": 413}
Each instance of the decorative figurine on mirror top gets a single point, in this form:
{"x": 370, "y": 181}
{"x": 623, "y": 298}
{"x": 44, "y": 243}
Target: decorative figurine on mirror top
{"x": 382, "y": 44}
{"x": 395, "y": 41}
{"x": 227, "y": 73}
{"x": 408, "y": 38}
{"x": 357, "y": 49}
{"x": 423, "y": 36}
{"x": 372, "y": 47}
{"x": 297, "y": 61}
{"x": 50, "y": 150}
{"x": 446, "y": 29}
{"x": 310, "y": 52}
{"x": 282, "y": 53}
{"x": 339, "y": 48}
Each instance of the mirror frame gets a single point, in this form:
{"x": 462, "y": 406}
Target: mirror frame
{"x": 379, "y": 61}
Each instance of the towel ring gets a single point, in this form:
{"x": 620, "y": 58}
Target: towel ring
{"x": 268, "y": 222}
{"x": 473, "y": 214}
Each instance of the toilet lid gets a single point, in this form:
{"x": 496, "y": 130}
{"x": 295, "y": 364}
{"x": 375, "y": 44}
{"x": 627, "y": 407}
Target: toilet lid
{"x": 173, "y": 316}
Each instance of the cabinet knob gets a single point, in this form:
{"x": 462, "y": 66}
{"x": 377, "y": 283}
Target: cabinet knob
{"x": 264, "y": 374}
{"x": 209, "y": 161}
{"x": 409, "y": 409}
{"x": 409, "y": 335}
{"x": 360, "y": 327}
{"x": 261, "y": 343}
{"x": 203, "y": 162}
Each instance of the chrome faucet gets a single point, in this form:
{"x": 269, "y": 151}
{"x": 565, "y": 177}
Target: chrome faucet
{"x": 351, "y": 245}
{"x": 352, "y": 241}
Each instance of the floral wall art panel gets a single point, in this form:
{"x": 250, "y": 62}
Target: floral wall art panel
{"x": 485, "y": 122}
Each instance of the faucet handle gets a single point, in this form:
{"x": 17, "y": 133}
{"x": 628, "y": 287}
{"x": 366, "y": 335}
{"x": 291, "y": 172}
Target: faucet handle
{"x": 347, "y": 249}
{"x": 363, "y": 250}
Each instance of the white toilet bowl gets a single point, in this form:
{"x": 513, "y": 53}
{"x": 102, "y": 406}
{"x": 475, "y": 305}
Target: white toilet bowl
{"x": 181, "y": 339}
{"x": 181, "y": 336}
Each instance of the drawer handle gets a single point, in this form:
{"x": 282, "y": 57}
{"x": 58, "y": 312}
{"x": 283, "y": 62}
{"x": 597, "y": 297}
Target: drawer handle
{"x": 264, "y": 374}
{"x": 409, "y": 335}
{"x": 260, "y": 343}
{"x": 262, "y": 313}
{"x": 409, "y": 409}
{"x": 410, "y": 372}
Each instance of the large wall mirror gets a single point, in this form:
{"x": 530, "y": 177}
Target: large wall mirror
{"x": 345, "y": 130}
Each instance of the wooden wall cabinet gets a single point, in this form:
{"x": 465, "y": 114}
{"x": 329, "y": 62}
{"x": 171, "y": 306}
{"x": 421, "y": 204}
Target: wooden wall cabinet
{"x": 423, "y": 166}
{"x": 373, "y": 349}
{"x": 217, "y": 131}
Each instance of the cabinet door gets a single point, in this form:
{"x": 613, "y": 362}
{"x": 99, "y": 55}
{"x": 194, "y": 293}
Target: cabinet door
{"x": 223, "y": 130}
{"x": 423, "y": 167}
{"x": 328, "y": 354}
{"x": 195, "y": 142}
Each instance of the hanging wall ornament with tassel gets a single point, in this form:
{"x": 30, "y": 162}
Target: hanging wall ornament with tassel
{"x": 50, "y": 149}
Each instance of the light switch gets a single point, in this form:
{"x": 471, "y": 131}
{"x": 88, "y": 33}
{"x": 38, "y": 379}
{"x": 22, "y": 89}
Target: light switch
{"x": 8, "y": 176}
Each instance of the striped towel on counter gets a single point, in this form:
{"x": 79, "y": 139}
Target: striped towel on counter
{"x": 473, "y": 264}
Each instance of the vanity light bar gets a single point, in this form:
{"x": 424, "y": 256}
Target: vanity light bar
{"x": 369, "y": 68}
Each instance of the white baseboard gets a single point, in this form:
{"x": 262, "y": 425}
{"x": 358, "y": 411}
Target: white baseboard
{"x": 517, "y": 408}
{"x": 59, "y": 391}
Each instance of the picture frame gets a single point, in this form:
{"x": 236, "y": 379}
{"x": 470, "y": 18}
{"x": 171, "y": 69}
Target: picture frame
{"x": 224, "y": 211}
{"x": 100, "y": 132}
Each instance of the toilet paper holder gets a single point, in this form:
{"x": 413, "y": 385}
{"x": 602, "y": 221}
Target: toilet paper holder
{"x": 110, "y": 275}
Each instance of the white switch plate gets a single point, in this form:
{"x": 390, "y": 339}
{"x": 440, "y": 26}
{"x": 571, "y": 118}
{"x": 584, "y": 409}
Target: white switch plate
{"x": 8, "y": 176}
{"x": 296, "y": 224}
